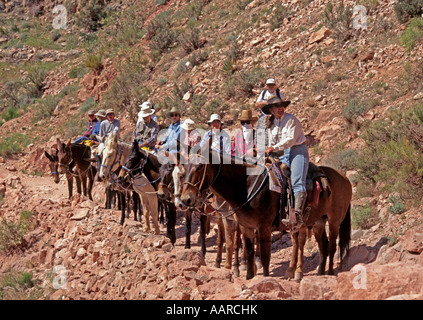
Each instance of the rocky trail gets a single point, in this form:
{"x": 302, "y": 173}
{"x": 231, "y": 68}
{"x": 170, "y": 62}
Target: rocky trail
{"x": 78, "y": 250}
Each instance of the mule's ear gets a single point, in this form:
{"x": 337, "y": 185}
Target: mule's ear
{"x": 115, "y": 137}
{"x": 48, "y": 156}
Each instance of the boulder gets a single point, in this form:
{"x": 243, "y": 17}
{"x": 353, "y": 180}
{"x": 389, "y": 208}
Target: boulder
{"x": 413, "y": 240}
{"x": 319, "y": 35}
{"x": 317, "y": 287}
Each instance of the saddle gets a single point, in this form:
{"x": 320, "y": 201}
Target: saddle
{"x": 280, "y": 181}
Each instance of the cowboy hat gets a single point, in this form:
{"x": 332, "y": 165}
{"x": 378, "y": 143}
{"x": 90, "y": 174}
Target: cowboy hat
{"x": 91, "y": 112}
{"x": 101, "y": 113}
{"x": 188, "y": 124}
{"x": 215, "y": 116}
{"x": 247, "y": 115}
{"x": 146, "y": 104}
{"x": 145, "y": 112}
{"x": 110, "y": 111}
{"x": 173, "y": 110}
{"x": 270, "y": 81}
{"x": 274, "y": 102}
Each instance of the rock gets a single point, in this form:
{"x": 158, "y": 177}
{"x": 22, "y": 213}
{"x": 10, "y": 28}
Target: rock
{"x": 376, "y": 282}
{"x": 418, "y": 96}
{"x": 413, "y": 240}
{"x": 317, "y": 287}
{"x": 319, "y": 35}
{"x": 187, "y": 97}
{"x": 359, "y": 254}
{"x": 80, "y": 214}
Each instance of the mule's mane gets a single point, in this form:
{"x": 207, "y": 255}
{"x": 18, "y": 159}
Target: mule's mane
{"x": 110, "y": 141}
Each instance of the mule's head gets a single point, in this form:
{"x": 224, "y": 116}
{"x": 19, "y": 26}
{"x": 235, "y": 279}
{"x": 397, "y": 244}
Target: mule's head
{"x": 63, "y": 155}
{"x": 54, "y": 164}
{"x": 166, "y": 182}
{"x": 108, "y": 155}
{"x": 197, "y": 179}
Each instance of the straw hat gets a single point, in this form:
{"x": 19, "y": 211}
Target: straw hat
{"x": 270, "y": 81}
{"x": 91, "y": 112}
{"x": 247, "y": 115}
{"x": 274, "y": 102}
{"x": 173, "y": 110}
{"x": 188, "y": 124}
{"x": 110, "y": 111}
{"x": 215, "y": 117}
{"x": 145, "y": 111}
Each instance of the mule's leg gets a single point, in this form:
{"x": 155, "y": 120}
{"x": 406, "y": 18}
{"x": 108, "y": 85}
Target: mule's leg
{"x": 91, "y": 176}
{"x": 322, "y": 241}
{"x": 302, "y": 237}
{"x": 135, "y": 205}
{"x": 154, "y": 210}
{"x": 171, "y": 222}
{"x": 236, "y": 250}
{"x": 69, "y": 178}
{"x": 146, "y": 210}
{"x": 84, "y": 184}
{"x": 333, "y": 235}
{"x": 229, "y": 237}
{"x": 294, "y": 256}
{"x": 257, "y": 256}
{"x": 265, "y": 242}
{"x": 188, "y": 221}
{"x": 203, "y": 230}
{"x": 220, "y": 239}
{"x": 122, "y": 202}
{"x": 78, "y": 183}
{"x": 251, "y": 266}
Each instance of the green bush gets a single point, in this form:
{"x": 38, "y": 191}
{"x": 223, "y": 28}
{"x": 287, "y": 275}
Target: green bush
{"x": 363, "y": 217}
{"x": 406, "y": 9}
{"x": 413, "y": 33}
{"x": 12, "y": 235}
{"x": 13, "y": 144}
{"x": 242, "y": 83}
{"x": 94, "y": 62}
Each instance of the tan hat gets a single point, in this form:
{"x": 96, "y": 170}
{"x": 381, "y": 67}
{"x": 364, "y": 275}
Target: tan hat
{"x": 173, "y": 110}
{"x": 247, "y": 115}
{"x": 188, "y": 124}
{"x": 90, "y": 112}
{"x": 215, "y": 116}
{"x": 270, "y": 81}
{"x": 109, "y": 111}
{"x": 145, "y": 112}
{"x": 101, "y": 113}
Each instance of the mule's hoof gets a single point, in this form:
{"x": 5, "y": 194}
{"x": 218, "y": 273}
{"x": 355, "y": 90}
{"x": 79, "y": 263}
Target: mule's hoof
{"x": 289, "y": 274}
{"x": 242, "y": 267}
{"x": 298, "y": 276}
{"x": 235, "y": 271}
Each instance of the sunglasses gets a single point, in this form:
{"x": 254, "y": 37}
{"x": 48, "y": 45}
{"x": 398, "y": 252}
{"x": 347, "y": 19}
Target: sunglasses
{"x": 110, "y": 114}
{"x": 174, "y": 115}
{"x": 245, "y": 122}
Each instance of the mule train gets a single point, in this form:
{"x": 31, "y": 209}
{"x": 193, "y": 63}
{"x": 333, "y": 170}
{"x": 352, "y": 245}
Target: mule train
{"x": 246, "y": 208}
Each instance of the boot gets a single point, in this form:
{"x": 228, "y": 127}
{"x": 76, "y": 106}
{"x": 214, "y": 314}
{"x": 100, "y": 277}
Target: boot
{"x": 300, "y": 202}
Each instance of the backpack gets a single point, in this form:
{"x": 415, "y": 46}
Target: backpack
{"x": 278, "y": 93}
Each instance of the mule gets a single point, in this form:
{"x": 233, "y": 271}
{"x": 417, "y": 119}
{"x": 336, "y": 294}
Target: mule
{"x": 78, "y": 155}
{"x": 254, "y": 205}
{"x": 144, "y": 162}
{"x": 54, "y": 169}
{"x": 170, "y": 174}
{"x": 335, "y": 209}
{"x": 114, "y": 156}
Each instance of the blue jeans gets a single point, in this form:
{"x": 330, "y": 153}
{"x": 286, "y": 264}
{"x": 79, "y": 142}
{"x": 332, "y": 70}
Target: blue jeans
{"x": 297, "y": 159}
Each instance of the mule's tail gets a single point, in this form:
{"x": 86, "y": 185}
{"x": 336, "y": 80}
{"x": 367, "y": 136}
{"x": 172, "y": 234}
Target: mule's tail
{"x": 345, "y": 234}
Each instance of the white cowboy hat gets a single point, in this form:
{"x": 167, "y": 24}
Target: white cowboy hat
{"x": 215, "y": 117}
{"x": 145, "y": 112}
{"x": 188, "y": 124}
{"x": 146, "y": 104}
{"x": 270, "y": 81}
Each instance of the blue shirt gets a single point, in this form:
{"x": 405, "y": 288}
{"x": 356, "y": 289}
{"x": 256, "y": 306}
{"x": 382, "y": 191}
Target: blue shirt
{"x": 173, "y": 136}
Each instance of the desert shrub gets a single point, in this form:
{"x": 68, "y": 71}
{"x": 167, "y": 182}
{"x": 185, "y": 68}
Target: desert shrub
{"x": 393, "y": 156}
{"x": 342, "y": 159}
{"x": 406, "y": 9}
{"x": 13, "y": 144}
{"x": 363, "y": 217}
{"x": 339, "y": 19}
{"x": 10, "y": 113}
{"x": 12, "y": 235}
{"x": 190, "y": 39}
{"x": 278, "y": 15}
{"x": 413, "y": 33}
{"x": 242, "y": 83}
{"x": 94, "y": 62}
{"x": 91, "y": 15}
{"x": 14, "y": 285}
{"x": 357, "y": 106}
{"x": 397, "y": 205}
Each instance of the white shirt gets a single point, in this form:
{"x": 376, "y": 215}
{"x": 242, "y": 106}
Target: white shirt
{"x": 221, "y": 141}
{"x": 286, "y": 132}
{"x": 268, "y": 95}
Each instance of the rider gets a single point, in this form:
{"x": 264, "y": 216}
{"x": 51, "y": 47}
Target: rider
{"x": 271, "y": 91}
{"x": 221, "y": 141}
{"x": 101, "y": 114}
{"x": 147, "y": 130}
{"x": 109, "y": 125}
{"x": 288, "y": 142}
{"x": 91, "y": 123}
{"x": 243, "y": 144}
{"x": 173, "y": 132}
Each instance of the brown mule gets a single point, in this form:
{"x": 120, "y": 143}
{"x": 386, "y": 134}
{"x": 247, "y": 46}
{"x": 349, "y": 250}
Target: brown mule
{"x": 334, "y": 208}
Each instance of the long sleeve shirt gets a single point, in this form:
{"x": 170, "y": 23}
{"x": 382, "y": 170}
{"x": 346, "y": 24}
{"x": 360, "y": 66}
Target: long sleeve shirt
{"x": 221, "y": 141}
{"x": 286, "y": 132}
{"x": 146, "y": 133}
{"x": 173, "y": 136}
{"x": 106, "y": 127}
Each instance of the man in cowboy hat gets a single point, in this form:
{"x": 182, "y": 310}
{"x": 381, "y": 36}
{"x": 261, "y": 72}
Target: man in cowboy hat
{"x": 288, "y": 142}
{"x": 173, "y": 131}
{"x": 147, "y": 130}
{"x": 108, "y": 125}
{"x": 243, "y": 143}
{"x": 91, "y": 123}
{"x": 221, "y": 141}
